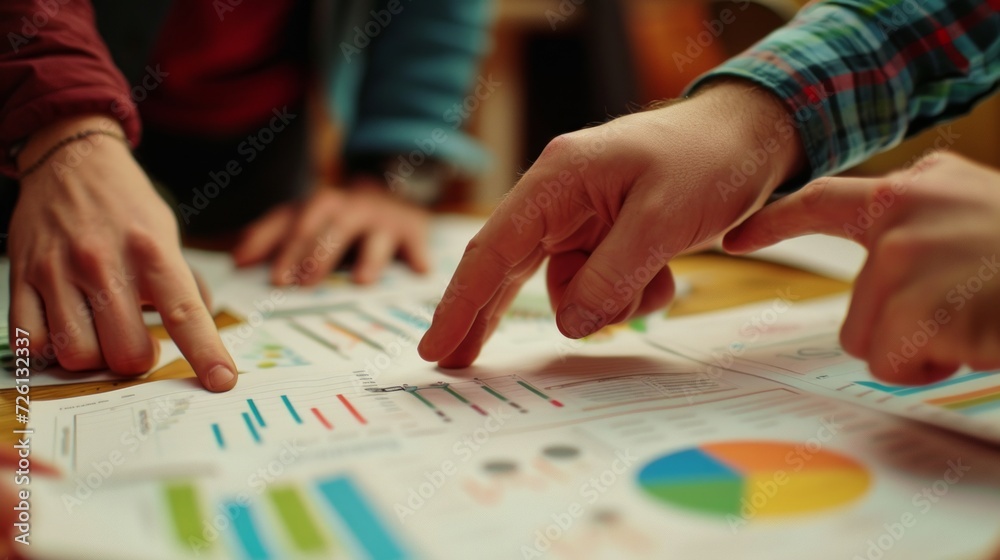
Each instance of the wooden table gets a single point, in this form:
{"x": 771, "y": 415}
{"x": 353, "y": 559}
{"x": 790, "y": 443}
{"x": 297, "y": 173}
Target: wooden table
{"x": 718, "y": 282}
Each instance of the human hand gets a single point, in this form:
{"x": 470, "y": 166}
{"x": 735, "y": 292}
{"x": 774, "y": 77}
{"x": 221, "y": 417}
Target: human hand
{"x": 90, "y": 243}
{"x": 928, "y": 298}
{"x": 610, "y": 206}
{"x": 309, "y": 239}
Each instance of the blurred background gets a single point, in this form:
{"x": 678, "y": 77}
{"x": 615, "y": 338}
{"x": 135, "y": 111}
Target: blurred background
{"x": 566, "y": 64}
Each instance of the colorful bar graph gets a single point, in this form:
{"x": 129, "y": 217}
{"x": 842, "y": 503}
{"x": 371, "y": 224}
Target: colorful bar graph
{"x": 354, "y": 334}
{"x": 409, "y": 318}
{"x": 256, "y": 413}
{"x": 380, "y": 324}
{"x": 529, "y": 387}
{"x": 366, "y": 526}
{"x": 902, "y": 391}
{"x": 429, "y": 404}
{"x": 182, "y": 502}
{"x": 322, "y": 419}
{"x": 218, "y": 436}
{"x": 464, "y": 400}
{"x": 251, "y": 427}
{"x": 303, "y": 532}
{"x": 247, "y": 535}
{"x": 291, "y": 409}
{"x": 971, "y": 403}
{"x": 350, "y": 408}
{"x": 499, "y": 395}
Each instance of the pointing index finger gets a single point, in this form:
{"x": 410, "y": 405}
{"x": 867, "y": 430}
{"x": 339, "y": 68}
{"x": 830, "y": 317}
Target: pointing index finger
{"x": 174, "y": 292}
{"x": 507, "y": 238}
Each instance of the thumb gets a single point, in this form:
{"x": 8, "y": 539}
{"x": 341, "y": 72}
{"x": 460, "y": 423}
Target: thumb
{"x": 829, "y": 205}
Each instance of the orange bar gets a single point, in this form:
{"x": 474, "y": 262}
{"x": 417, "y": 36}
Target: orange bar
{"x": 989, "y": 391}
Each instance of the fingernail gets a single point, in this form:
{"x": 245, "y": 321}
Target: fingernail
{"x": 219, "y": 377}
{"x": 575, "y": 322}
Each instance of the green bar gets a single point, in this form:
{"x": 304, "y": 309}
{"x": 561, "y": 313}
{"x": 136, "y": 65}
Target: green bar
{"x": 182, "y": 500}
{"x": 298, "y": 523}
{"x": 973, "y": 402}
{"x": 422, "y": 399}
{"x": 533, "y": 390}
{"x": 494, "y": 393}
{"x": 456, "y": 395}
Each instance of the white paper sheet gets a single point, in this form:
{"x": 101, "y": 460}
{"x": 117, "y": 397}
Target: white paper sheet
{"x": 615, "y": 451}
{"x": 798, "y": 344}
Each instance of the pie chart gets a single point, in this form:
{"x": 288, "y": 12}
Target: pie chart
{"x": 754, "y": 479}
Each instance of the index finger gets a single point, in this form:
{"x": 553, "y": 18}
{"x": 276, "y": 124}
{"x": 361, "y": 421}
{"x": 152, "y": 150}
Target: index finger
{"x": 829, "y": 206}
{"x": 505, "y": 241}
{"x": 175, "y": 294}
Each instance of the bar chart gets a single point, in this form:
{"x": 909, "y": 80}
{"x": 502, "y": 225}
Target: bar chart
{"x": 328, "y": 517}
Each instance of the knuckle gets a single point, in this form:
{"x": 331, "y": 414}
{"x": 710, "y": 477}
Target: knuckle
{"x": 45, "y": 270}
{"x": 90, "y": 257}
{"x": 899, "y": 248}
{"x": 144, "y": 244}
{"x": 812, "y": 195}
{"x": 184, "y": 310}
{"x": 131, "y": 360}
{"x": 560, "y": 145}
{"x": 77, "y": 357}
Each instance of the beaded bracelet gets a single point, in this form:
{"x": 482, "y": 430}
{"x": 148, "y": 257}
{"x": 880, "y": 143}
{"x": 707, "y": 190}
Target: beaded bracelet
{"x": 64, "y": 142}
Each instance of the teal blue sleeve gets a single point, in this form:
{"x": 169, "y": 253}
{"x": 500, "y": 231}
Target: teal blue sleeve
{"x": 419, "y": 85}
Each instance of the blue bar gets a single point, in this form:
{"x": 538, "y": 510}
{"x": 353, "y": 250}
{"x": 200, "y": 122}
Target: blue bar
{"x": 250, "y": 426}
{"x": 246, "y": 532}
{"x": 350, "y": 505}
{"x": 291, "y": 409}
{"x": 904, "y": 391}
{"x": 218, "y": 436}
{"x": 256, "y": 413}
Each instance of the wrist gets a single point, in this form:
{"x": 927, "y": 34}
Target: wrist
{"x": 762, "y": 149}
{"x": 42, "y": 141}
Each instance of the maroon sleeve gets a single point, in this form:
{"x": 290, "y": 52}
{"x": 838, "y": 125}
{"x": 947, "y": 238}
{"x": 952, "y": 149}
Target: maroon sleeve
{"x": 55, "y": 65}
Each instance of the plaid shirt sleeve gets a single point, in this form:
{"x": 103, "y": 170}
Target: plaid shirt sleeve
{"x": 861, "y": 75}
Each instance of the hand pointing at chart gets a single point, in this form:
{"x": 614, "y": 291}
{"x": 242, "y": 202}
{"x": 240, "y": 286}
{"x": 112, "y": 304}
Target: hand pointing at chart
{"x": 610, "y": 206}
{"x": 928, "y": 299}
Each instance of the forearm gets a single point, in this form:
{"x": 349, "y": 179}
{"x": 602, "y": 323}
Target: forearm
{"x": 859, "y": 78}
{"x": 57, "y": 68}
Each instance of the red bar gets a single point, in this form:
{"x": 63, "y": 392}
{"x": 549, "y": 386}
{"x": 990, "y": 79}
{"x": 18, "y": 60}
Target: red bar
{"x": 319, "y": 416}
{"x": 351, "y": 409}
{"x": 479, "y": 410}
{"x": 556, "y": 403}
